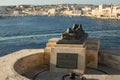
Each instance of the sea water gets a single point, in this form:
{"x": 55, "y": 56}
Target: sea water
{"x": 33, "y": 32}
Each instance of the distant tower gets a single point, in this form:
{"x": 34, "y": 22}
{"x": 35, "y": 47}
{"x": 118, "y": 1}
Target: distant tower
{"x": 68, "y": 7}
{"x": 115, "y": 11}
{"x": 100, "y": 9}
{"x": 111, "y": 8}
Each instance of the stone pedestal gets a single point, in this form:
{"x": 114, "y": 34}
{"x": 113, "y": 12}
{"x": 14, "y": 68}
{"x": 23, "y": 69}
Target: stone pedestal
{"x": 91, "y": 47}
{"x": 67, "y": 59}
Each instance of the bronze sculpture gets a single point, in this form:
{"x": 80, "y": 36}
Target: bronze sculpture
{"x": 73, "y": 35}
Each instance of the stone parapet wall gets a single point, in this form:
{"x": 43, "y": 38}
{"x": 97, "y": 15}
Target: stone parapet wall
{"x": 28, "y": 63}
{"x": 20, "y": 62}
{"x": 24, "y": 60}
{"x": 111, "y": 60}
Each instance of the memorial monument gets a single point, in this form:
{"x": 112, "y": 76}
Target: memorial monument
{"x": 72, "y": 52}
{"x": 67, "y": 55}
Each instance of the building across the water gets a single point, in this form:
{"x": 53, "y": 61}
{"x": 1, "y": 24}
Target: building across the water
{"x": 107, "y": 11}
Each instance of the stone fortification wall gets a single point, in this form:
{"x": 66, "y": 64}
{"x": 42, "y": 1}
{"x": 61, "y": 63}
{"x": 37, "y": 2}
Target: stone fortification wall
{"x": 20, "y": 62}
{"x": 110, "y": 59}
{"x": 29, "y": 63}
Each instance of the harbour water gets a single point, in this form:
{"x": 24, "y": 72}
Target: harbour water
{"x": 29, "y": 32}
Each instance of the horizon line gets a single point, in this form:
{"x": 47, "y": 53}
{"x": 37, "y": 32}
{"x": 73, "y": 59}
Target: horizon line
{"x": 56, "y": 4}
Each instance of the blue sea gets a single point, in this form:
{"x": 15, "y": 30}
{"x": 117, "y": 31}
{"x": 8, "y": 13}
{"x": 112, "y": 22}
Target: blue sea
{"x": 33, "y": 32}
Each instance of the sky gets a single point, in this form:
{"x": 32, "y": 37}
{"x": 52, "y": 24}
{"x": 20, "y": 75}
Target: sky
{"x": 43, "y": 2}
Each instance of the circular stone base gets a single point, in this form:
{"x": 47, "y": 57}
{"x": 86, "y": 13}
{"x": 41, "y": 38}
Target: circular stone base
{"x": 91, "y": 74}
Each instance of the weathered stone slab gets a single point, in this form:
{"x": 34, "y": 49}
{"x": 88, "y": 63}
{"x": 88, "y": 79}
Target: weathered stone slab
{"x": 69, "y": 45}
{"x": 47, "y": 52}
{"x": 53, "y": 39}
{"x": 79, "y": 54}
{"x": 111, "y": 60}
{"x": 50, "y": 44}
{"x": 92, "y": 48}
{"x": 92, "y": 58}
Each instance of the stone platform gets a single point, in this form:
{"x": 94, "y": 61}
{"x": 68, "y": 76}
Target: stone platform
{"x": 8, "y": 71}
{"x": 102, "y": 73}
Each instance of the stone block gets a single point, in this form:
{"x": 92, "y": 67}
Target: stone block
{"x": 47, "y": 52}
{"x": 92, "y": 58}
{"x": 92, "y": 48}
{"x": 92, "y": 43}
{"x": 50, "y": 44}
{"x": 54, "y": 40}
{"x": 110, "y": 60}
{"x": 69, "y": 45}
{"x": 72, "y": 59}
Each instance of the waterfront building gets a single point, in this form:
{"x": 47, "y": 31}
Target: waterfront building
{"x": 51, "y": 11}
{"x": 15, "y": 12}
{"x": 109, "y": 11}
{"x": 67, "y": 12}
{"x": 86, "y": 11}
{"x": 76, "y": 13}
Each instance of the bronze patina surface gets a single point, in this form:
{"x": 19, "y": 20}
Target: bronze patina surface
{"x": 75, "y": 35}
